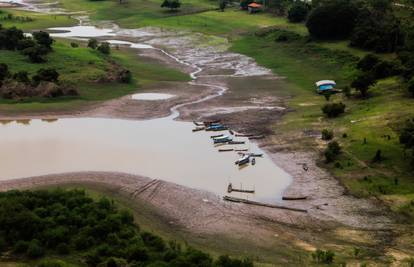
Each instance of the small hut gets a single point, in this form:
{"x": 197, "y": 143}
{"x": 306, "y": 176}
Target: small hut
{"x": 254, "y": 7}
{"x": 325, "y": 86}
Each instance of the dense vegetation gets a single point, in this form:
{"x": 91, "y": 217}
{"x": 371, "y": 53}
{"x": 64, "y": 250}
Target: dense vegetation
{"x": 57, "y": 222}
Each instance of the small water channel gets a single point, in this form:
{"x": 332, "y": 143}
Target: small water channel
{"x": 160, "y": 148}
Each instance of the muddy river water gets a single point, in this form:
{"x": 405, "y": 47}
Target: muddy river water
{"x": 160, "y": 148}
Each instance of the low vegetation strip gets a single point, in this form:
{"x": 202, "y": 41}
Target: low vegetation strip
{"x": 68, "y": 224}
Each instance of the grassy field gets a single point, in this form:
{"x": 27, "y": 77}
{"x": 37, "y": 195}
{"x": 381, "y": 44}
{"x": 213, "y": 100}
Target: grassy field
{"x": 81, "y": 67}
{"x": 37, "y": 21}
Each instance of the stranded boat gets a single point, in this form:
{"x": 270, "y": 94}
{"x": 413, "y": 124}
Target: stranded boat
{"x": 243, "y": 160}
{"x": 222, "y": 139}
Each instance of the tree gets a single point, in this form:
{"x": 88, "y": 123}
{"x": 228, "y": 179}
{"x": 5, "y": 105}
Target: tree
{"x": 93, "y": 43}
{"x": 222, "y": 5}
{"x": 333, "y": 110}
{"x": 35, "y": 53}
{"x": 35, "y": 250}
{"x": 25, "y": 43}
{"x": 171, "y": 4}
{"x": 331, "y": 20}
{"x": 104, "y": 48}
{"x": 298, "y": 12}
{"x": 362, "y": 82}
{"x": 43, "y": 39}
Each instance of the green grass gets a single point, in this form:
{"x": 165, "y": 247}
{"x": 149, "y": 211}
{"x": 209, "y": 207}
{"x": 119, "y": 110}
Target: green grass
{"x": 39, "y": 21}
{"x": 81, "y": 67}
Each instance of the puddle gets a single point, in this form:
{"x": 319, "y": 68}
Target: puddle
{"x": 151, "y": 96}
{"x": 161, "y": 148}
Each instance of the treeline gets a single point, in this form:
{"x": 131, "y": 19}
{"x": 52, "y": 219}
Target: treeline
{"x": 57, "y": 222}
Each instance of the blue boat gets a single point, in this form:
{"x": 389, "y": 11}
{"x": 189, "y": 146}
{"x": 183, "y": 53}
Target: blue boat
{"x": 216, "y": 127}
{"x": 222, "y": 139}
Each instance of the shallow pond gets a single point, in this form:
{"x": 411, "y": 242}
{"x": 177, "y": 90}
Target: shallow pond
{"x": 161, "y": 148}
{"x": 151, "y": 96}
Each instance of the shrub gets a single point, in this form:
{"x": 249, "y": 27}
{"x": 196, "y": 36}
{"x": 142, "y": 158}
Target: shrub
{"x": 25, "y": 43}
{"x": 332, "y": 151}
{"x": 334, "y": 19}
{"x": 407, "y": 135}
{"x": 4, "y": 71}
{"x": 333, "y": 110}
{"x": 171, "y": 4}
{"x": 322, "y": 256}
{"x": 385, "y": 69}
{"x": 35, "y": 53}
{"x": 20, "y": 247}
{"x": 298, "y": 12}
{"x": 48, "y": 75}
{"x": 104, "y": 48}
{"x": 74, "y": 45}
{"x": 93, "y": 43}
{"x": 35, "y": 250}
{"x": 22, "y": 77}
{"x": 63, "y": 249}
{"x": 327, "y": 134}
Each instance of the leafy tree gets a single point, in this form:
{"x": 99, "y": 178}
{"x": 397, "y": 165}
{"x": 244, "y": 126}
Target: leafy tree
{"x": 298, "y": 12}
{"x": 333, "y": 110}
{"x": 43, "y": 39}
{"x": 362, "y": 82}
{"x": 245, "y": 3}
{"x": 35, "y": 250}
{"x": 36, "y": 53}
{"x": 104, "y": 48}
{"x": 322, "y": 256}
{"x": 93, "y": 43}
{"x": 379, "y": 31}
{"x": 331, "y": 20}
{"x": 25, "y": 43}
{"x": 10, "y": 37}
{"x": 171, "y": 4}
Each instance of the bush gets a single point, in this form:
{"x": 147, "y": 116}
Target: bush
{"x": 48, "y": 75}
{"x": 333, "y": 110}
{"x": 298, "y": 12}
{"x": 63, "y": 249}
{"x": 35, "y": 53}
{"x": 171, "y": 4}
{"x": 4, "y": 71}
{"x": 104, "y": 48}
{"x": 385, "y": 69}
{"x": 35, "y": 250}
{"x": 331, "y": 20}
{"x": 21, "y": 247}
{"x": 321, "y": 256}
{"x": 332, "y": 151}
{"x": 407, "y": 135}
{"x": 22, "y": 77}
{"x": 25, "y": 43}
{"x": 93, "y": 43}
{"x": 74, "y": 45}
{"x": 43, "y": 39}
{"x": 327, "y": 134}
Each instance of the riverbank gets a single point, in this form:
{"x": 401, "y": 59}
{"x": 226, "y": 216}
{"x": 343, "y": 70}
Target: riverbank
{"x": 321, "y": 188}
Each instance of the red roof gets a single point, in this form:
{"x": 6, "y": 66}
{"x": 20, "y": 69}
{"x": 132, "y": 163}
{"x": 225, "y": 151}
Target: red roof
{"x": 255, "y": 5}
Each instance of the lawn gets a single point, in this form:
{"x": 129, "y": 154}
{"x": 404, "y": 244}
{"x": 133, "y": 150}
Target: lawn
{"x": 37, "y": 21}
